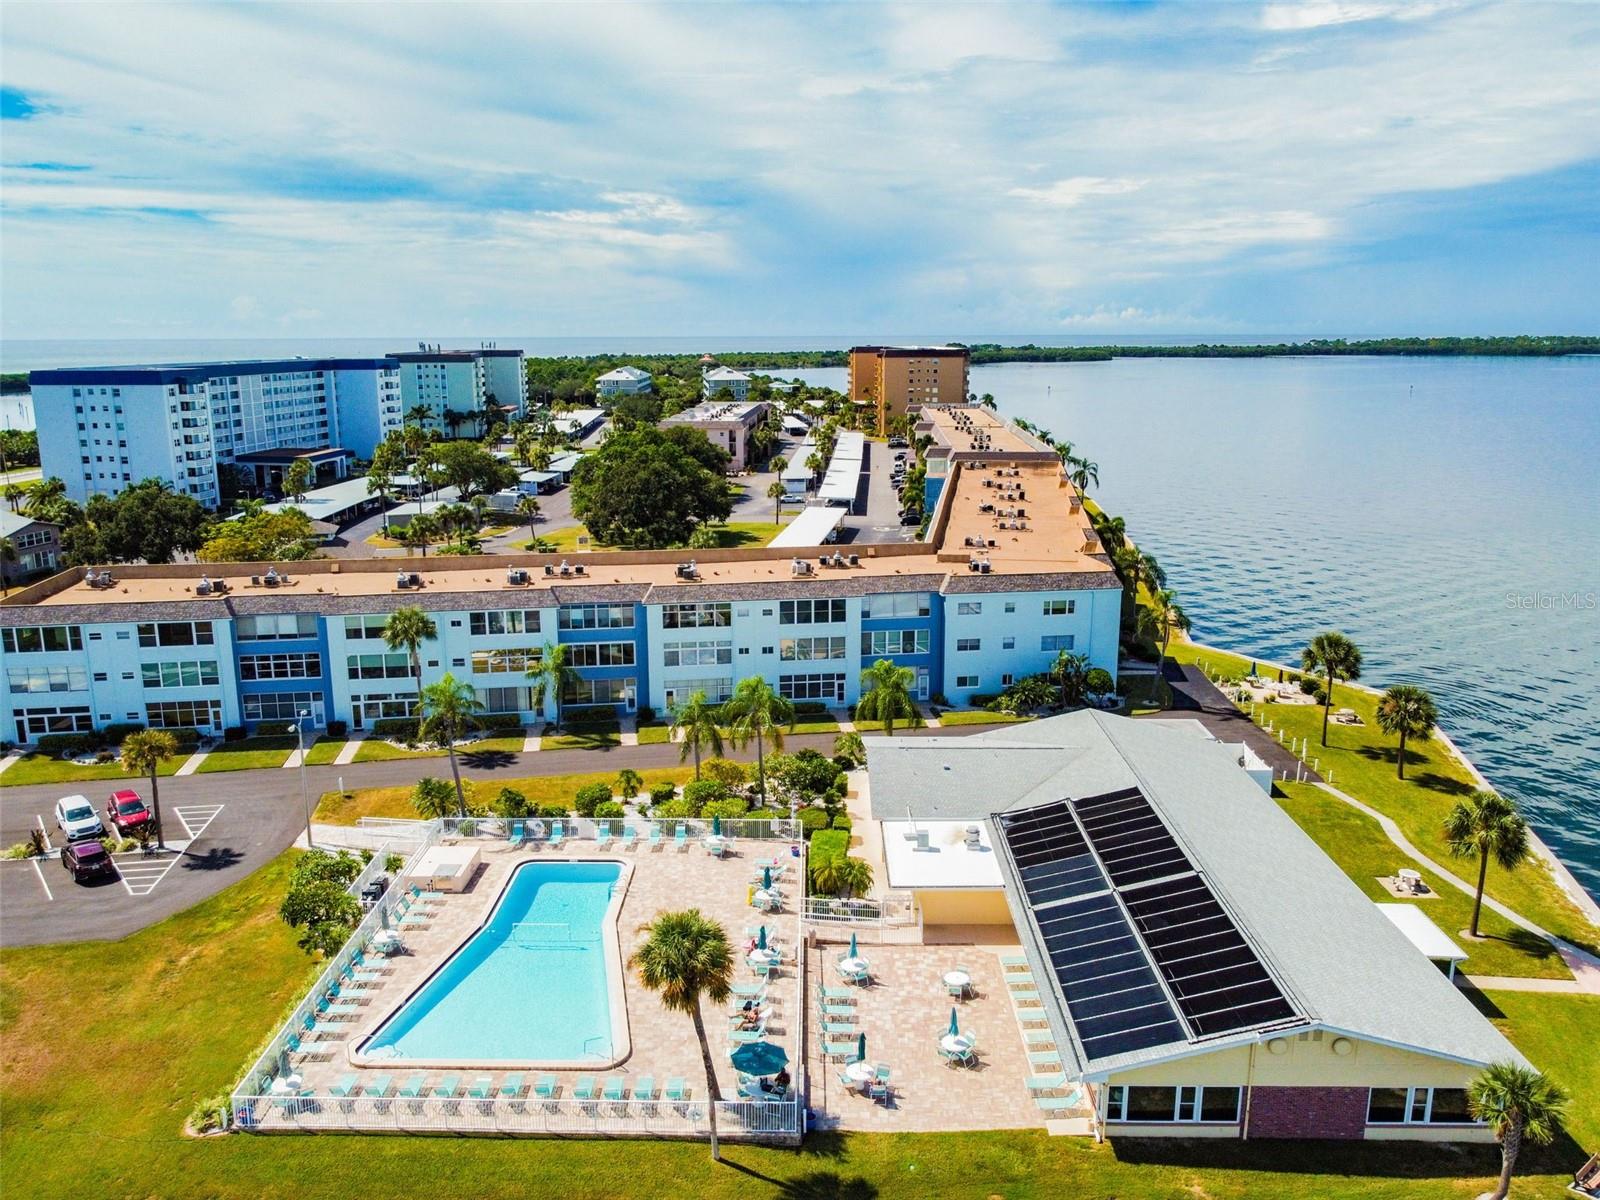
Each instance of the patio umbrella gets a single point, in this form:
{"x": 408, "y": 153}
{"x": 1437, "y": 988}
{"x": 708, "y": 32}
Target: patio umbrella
{"x": 853, "y": 952}
{"x": 760, "y": 1058}
{"x": 716, "y": 826}
{"x": 955, "y": 1027}
{"x": 766, "y": 879}
{"x": 861, "y": 1048}
{"x": 761, "y": 939}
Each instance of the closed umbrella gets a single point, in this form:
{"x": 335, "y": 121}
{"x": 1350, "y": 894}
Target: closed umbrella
{"x": 761, "y": 939}
{"x": 766, "y": 879}
{"x": 853, "y": 952}
{"x": 760, "y": 1058}
{"x": 861, "y": 1048}
{"x": 716, "y": 826}
{"x": 955, "y": 1028}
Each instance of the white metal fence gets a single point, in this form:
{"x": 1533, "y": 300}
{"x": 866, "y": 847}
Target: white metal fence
{"x": 894, "y": 917}
{"x": 616, "y": 829}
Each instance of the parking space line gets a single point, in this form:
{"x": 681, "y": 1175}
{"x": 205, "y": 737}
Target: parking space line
{"x": 37, "y": 870}
{"x": 195, "y": 817}
{"x": 141, "y": 876}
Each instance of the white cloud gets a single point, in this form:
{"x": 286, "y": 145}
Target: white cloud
{"x": 1067, "y": 193}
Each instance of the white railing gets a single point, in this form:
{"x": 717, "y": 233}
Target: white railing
{"x": 892, "y": 917}
{"x": 542, "y": 829}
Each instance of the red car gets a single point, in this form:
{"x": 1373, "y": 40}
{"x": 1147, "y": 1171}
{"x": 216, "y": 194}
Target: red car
{"x": 127, "y": 813}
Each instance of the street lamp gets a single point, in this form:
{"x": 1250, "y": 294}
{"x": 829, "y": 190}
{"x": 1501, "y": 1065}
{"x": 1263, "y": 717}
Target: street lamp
{"x": 298, "y": 729}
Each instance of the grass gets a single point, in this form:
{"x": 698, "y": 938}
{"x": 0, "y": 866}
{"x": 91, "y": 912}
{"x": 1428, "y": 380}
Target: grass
{"x": 580, "y": 738}
{"x": 655, "y": 734}
{"x": 164, "y": 987}
{"x": 729, "y": 537}
{"x": 1363, "y": 764}
{"x": 1553, "y": 1031}
{"x": 324, "y": 752}
{"x": 980, "y": 717}
{"x": 248, "y": 754}
{"x": 1364, "y": 852}
{"x": 375, "y": 749}
{"x": 41, "y": 768}
{"x": 349, "y": 807}
{"x": 815, "y": 725}
{"x": 1144, "y": 693}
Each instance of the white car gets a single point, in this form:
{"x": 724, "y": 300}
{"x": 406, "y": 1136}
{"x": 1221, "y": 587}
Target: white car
{"x": 76, "y": 818}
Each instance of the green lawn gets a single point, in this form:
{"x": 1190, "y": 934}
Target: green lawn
{"x": 248, "y": 754}
{"x": 1354, "y": 841}
{"x": 580, "y": 738}
{"x": 347, "y": 809}
{"x": 815, "y": 725}
{"x": 1559, "y": 1033}
{"x": 980, "y": 717}
{"x": 729, "y": 536}
{"x": 655, "y": 734}
{"x": 208, "y": 985}
{"x": 324, "y": 752}
{"x": 1363, "y": 764}
{"x": 40, "y": 768}
{"x": 377, "y": 750}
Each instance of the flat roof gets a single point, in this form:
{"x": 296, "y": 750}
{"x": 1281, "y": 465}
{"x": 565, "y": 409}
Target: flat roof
{"x": 146, "y": 374}
{"x": 811, "y": 527}
{"x": 843, "y": 477}
{"x": 1422, "y": 933}
{"x": 961, "y": 427}
{"x": 287, "y": 454}
{"x": 711, "y": 412}
{"x": 946, "y": 862}
{"x": 904, "y": 351}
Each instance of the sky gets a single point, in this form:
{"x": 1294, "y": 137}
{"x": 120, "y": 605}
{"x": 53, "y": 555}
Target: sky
{"x": 1333, "y": 168}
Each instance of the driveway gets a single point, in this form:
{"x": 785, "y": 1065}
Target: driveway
{"x": 1196, "y": 698}
{"x": 875, "y": 516}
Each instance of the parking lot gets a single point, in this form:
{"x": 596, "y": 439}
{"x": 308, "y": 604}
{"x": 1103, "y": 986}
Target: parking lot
{"x": 875, "y": 516}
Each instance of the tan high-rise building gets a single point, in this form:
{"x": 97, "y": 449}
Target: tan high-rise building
{"x": 892, "y": 378}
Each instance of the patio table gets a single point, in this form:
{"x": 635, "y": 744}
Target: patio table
{"x": 957, "y": 979}
{"x": 768, "y": 955}
{"x": 860, "y": 1073}
{"x": 956, "y": 1043}
{"x": 716, "y": 844}
{"x": 851, "y": 966}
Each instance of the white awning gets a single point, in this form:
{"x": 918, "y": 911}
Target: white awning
{"x": 1420, "y": 930}
{"x": 811, "y": 527}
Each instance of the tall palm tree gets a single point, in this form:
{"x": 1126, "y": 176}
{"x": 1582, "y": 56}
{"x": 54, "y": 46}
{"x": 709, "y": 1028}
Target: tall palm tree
{"x": 1083, "y": 473}
{"x": 552, "y": 677}
{"x": 695, "y": 721}
{"x": 684, "y": 956}
{"x": 756, "y": 711}
{"x": 419, "y": 531}
{"x": 1485, "y": 824}
{"x": 14, "y": 493}
{"x": 776, "y": 492}
{"x": 1516, "y": 1102}
{"x": 528, "y": 510}
{"x": 1408, "y": 711}
{"x": 406, "y": 629}
{"x": 44, "y": 497}
{"x": 842, "y": 875}
{"x": 1336, "y": 657}
{"x": 420, "y": 413}
{"x": 447, "y": 709}
{"x": 143, "y": 752}
{"x": 886, "y": 694}
{"x": 1159, "y": 618}
{"x": 1071, "y": 673}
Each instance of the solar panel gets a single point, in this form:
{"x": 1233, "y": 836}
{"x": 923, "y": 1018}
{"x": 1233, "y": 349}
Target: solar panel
{"x": 1130, "y": 838}
{"x": 1052, "y": 857}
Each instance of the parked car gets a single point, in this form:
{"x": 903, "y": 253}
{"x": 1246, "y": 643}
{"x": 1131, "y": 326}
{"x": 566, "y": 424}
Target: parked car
{"x": 85, "y": 860}
{"x": 127, "y": 813}
{"x": 911, "y": 518}
{"x": 76, "y": 818}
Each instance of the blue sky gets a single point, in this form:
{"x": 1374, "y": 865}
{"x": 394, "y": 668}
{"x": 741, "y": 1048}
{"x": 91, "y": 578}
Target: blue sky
{"x": 1339, "y": 167}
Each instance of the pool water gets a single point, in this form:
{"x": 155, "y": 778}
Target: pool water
{"x": 530, "y": 986}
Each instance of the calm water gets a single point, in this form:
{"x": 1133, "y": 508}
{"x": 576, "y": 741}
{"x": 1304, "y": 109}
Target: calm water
{"x": 1442, "y": 512}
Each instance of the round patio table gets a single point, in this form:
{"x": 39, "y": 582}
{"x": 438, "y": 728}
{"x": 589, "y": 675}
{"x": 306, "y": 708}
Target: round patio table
{"x": 763, "y": 956}
{"x": 860, "y": 1073}
{"x": 851, "y": 966}
{"x": 955, "y": 1043}
{"x": 716, "y": 843}
{"x": 957, "y": 979}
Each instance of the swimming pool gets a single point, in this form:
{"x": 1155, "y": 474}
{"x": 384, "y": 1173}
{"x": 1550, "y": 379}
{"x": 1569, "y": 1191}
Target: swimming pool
{"x": 538, "y": 984}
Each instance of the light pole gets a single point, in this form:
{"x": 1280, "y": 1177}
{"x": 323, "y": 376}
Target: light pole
{"x": 298, "y": 729}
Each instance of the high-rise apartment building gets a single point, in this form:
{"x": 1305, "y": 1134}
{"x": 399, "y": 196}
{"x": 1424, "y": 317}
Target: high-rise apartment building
{"x": 892, "y": 379}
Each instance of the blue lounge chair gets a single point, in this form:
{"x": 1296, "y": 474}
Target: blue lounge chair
{"x": 838, "y": 993}
{"x": 1058, "y": 1103}
{"x": 630, "y": 837}
{"x": 379, "y": 1088}
{"x": 412, "y": 1090}
{"x": 839, "y": 1010}
{"x": 482, "y": 1088}
{"x": 585, "y": 1088}
{"x": 545, "y": 1087}
{"x": 1045, "y": 1083}
{"x": 558, "y": 832}
{"x": 743, "y": 1037}
{"x": 345, "y": 1086}
{"x": 680, "y": 839}
{"x": 676, "y": 1088}
{"x": 878, "y": 1086}
{"x": 602, "y": 836}
{"x": 1045, "y": 1060}
{"x": 448, "y": 1090}
{"x": 655, "y": 835}
{"x": 615, "y": 1090}
{"x": 840, "y": 1049}
{"x": 517, "y": 835}
{"x": 511, "y": 1087}
{"x": 844, "y": 1028}
{"x": 749, "y": 990}
{"x": 1038, "y": 1037}
{"x": 1014, "y": 961}
{"x": 644, "y": 1089}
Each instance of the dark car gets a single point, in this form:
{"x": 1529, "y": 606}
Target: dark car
{"x": 127, "y": 813}
{"x": 86, "y": 860}
{"x": 911, "y": 518}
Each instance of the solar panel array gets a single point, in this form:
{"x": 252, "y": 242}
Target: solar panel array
{"x": 1122, "y": 911}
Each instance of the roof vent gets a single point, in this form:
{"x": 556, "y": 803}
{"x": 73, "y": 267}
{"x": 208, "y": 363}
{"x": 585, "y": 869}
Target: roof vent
{"x": 922, "y": 839}
{"x": 974, "y": 838}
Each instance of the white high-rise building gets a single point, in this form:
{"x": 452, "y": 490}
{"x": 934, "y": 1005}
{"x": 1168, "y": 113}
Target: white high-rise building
{"x": 460, "y": 382}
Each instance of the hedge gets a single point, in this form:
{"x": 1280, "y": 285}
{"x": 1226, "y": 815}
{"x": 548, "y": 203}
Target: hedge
{"x": 841, "y": 821}
{"x": 663, "y": 792}
{"x": 812, "y": 820}
{"x": 810, "y": 708}
{"x": 829, "y": 843}
{"x": 590, "y": 797}
{"x": 401, "y": 729}
{"x": 55, "y": 744}
{"x": 700, "y": 792}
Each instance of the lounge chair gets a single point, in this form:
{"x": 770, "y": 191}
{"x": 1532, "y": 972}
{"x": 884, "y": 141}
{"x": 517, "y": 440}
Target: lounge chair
{"x": 482, "y": 1088}
{"x": 654, "y": 835}
{"x": 558, "y": 833}
{"x": 412, "y": 919}
{"x": 585, "y": 1088}
{"x": 842, "y": 1049}
{"x": 644, "y": 1088}
{"x": 345, "y": 1086}
{"x": 842, "y": 1027}
{"x": 1026, "y": 999}
{"x": 602, "y": 835}
{"x": 1038, "y": 1037}
{"x": 412, "y": 1089}
{"x": 448, "y": 1089}
{"x": 1058, "y": 1103}
{"x": 327, "y": 1008}
{"x": 424, "y": 895}
{"x": 630, "y": 837}
{"x": 838, "y": 993}
{"x": 511, "y": 1087}
{"x": 1012, "y": 962}
{"x": 878, "y": 1087}
{"x": 516, "y": 838}
{"x": 615, "y": 1089}
{"x": 680, "y": 838}
{"x": 1046, "y": 1083}
{"x": 545, "y": 1087}
{"x": 1045, "y": 1060}
{"x": 838, "y": 1010}
{"x": 379, "y": 1089}
{"x": 676, "y": 1089}
{"x": 743, "y": 1037}
{"x": 749, "y": 990}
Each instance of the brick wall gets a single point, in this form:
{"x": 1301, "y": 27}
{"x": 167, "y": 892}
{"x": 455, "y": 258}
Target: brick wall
{"x": 1308, "y": 1112}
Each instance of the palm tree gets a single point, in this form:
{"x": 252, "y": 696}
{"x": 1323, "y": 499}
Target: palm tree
{"x": 143, "y": 752}
{"x": 886, "y": 694}
{"x": 1159, "y": 618}
{"x": 406, "y": 629}
{"x": 8, "y": 554}
{"x": 695, "y": 721}
{"x": 298, "y": 478}
{"x": 850, "y": 745}
{"x": 1486, "y": 823}
{"x": 1408, "y": 711}
{"x": 1337, "y": 657}
{"x": 44, "y": 498}
{"x": 684, "y": 956}
{"x": 776, "y": 492}
{"x": 777, "y": 463}
{"x": 528, "y": 510}
{"x": 842, "y": 875}
{"x": 419, "y": 531}
{"x": 552, "y": 677}
{"x": 1084, "y": 473}
{"x": 988, "y": 402}
{"x": 1071, "y": 673}
{"x": 420, "y": 413}
{"x": 1516, "y": 1102}
{"x": 446, "y": 710}
{"x": 14, "y": 492}
{"x": 756, "y": 711}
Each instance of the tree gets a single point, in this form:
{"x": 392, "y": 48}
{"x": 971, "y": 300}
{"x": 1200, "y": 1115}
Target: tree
{"x": 1516, "y": 1102}
{"x": 8, "y": 554}
{"x": 472, "y": 469}
{"x": 1158, "y": 619}
{"x": 44, "y": 499}
{"x": 14, "y": 494}
{"x": 695, "y": 723}
{"x": 298, "y": 478}
{"x": 776, "y": 492}
{"x": 388, "y": 460}
{"x": 842, "y": 875}
{"x": 421, "y": 414}
{"x": 418, "y": 532}
{"x": 1031, "y": 692}
{"x": 1336, "y": 657}
{"x": 756, "y": 711}
{"x": 1409, "y": 712}
{"x": 850, "y": 745}
{"x": 1486, "y": 824}
{"x": 552, "y": 677}
{"x": 143, "y": 752}
{"x": 886, "y": 694}
{"x": 649, "y": 487}
{"x": 449, "y": 709}
{"x": 777, "y": 463}
{"x": 685, "y": 956}
{"x": 1071, "y": 673}
{"x": 528, "y": 510}
{"x": 148, "y": 522}
{"x": 406, "y": 629}
{"x": 260, "y": 535}
{"x": 434, "y": 798}
{"x": 629, "y": 782}
{"x": 323, "y": 910}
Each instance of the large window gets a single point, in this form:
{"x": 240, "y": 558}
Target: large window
{"x": 1060, "y": 608}
{"x": 875, "y": 643}
{"x": 896, "y": 604}
{"x": 183, "y": 714}
{"x": 176, "y": 633}
{"x": 379, "y": 666}
{"x": 515, "y": 620}
{"x": 280, "y": 666}
{"x": 969, "y": 608}
{"x": 518, "y": 659}
{"x": 696, "y": 616}
{"x": 597, "y": 691}
{"x": 35, "y": 722}
{"x": 279, "y": 627}
{"x": 966, "y": 645}
{"x": 696, "y": 654}
{"x": 717, "y": 690}
{"x": 597, "y": 616}
{"x": 179, "y": 674}
{"x": 1161, "y": 1105}
{"x": 967, "y": 681}
{"x": 600, "y": 654}
{"x": 505, "y": 699}
{"x": 1418, "y": 1106}
{"x": 47, "y": 679}
{"x": 810, "y": 649}
{"x": 32, "y": 639}
{"x": 812, "y": 687}
{"x": 278, "y": 706}
{"x": 369, "y": 626}
{"x": 1054, "y": 643}
{"x": 810, "y": 612}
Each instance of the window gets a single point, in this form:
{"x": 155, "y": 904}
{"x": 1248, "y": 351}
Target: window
{"x": 696, "y": 616}
{"x": 379, "y": 666}
{"x": 1165, "y": 1105}
{"x": 966, "y": 681}
{"x": 516, "y": 620}
{"x": 34, "y": 639}
{"x": 280, "y": 666}
{"x": 876, "y": 643}
{"x": 696, "y": 654}
{"x": 598, "y": 691}
{"x": 1060, "y": 608}
{"x": 968, "y": 644}
{"x": 1011, "y": 606}
{"x": 277, "y": 706}
{"x": 896, "y": 604}
{"x": 809, "y": 649}
{"x": 1418, "y": 1106}
{"x": 276, "y": 628}
{"x": 47, "y": 679}
{"x": 812, "y": 687}
{"x": 600, "y": 654}
{"x": 369, "y": 626}
{"x": 1008, "y": 643}
{"x": 716, "y": 690}
{"x": 1054, "y": 643}
{"x": 179, "y": 674}
{"x": 504, "y": 699}
{"x": 176, "y": 633}
{"x": 810, "y": 612}
{"x": 518, "y": 659}
{"x": 34, "y": 722}
{"x": 596, "y": 616}
{"x": 969, "y": 608}
{"x": 183, "y": 714}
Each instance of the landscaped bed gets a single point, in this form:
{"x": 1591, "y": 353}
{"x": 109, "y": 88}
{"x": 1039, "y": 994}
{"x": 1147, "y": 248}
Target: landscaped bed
{"x": 979, "y": 717}
{"x": 539, "y": 789}
{"x": 248, "y": 754}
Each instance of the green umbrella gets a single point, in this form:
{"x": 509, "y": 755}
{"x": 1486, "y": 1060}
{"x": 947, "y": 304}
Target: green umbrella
{"x": 760, "y": 1058}
{"x": 716, "y": 826}
{"x": 955, "y": 1028}
{"x": 861, "y": 1048}
{"x": 766, "y": 879}
{"x": 853, "y": 952}
{"x": 761, "y": 939}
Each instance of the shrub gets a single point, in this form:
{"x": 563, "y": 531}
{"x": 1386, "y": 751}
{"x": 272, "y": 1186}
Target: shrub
{"x": 676, "y": 807}
{"x": 55, "y": 744}
{"x": 433, "y": 797}
{"x": 1099, "y": 681}
{"x": 319, "y": 866}
{"x": 400, "y": 729}
{"x": 646, "y": 714}
{"x": 337, "y": 728}
{"x": 394, "y": 863}
{"x": 728, "y": 773}
{"x": 813, "y": 819}
{"x": 511, "y": 803}
{"x": 810, "y": 708}
{"x": 114, "y": 733}
{"x": 552, "y": 811}
{"x": 829, "y": 843}
{"x": 629, "y": 782}
{"x": 498, "y": 722}
{"x": 662, "y": 792}
{"x": 730, "y": 809}
{"x": 700, "y": 792}
{"x": 841, "y": 821}
{"x": 323, "y": 911}
{"x": 611, "y": 808}
{"x": 1306, "y": 683}
{"x": 19, "y": 850}
{"x": 941, "y": 699}
{"x": 766, "y": 814}
{"x": 590, "y": 797}
{"x": 235, "y": 733}
{"x": 983, "y": 700}
{"x": 212, "y": 1114}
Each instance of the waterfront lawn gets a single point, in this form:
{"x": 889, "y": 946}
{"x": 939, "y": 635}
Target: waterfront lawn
{"x": 656, "y": 733}
{"x": 1364, "y": 852}
{"x": 324, "y": 751}
{"x": 42, "y": 768}
{"x": 1362, "y": 760}
{"x": 980, "y": 716}
{"x": 1558, "y": 1033}
{"x": 248, "y": 754}
{"x": 210, "y": 983}
{"x": 349, "y": 807}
